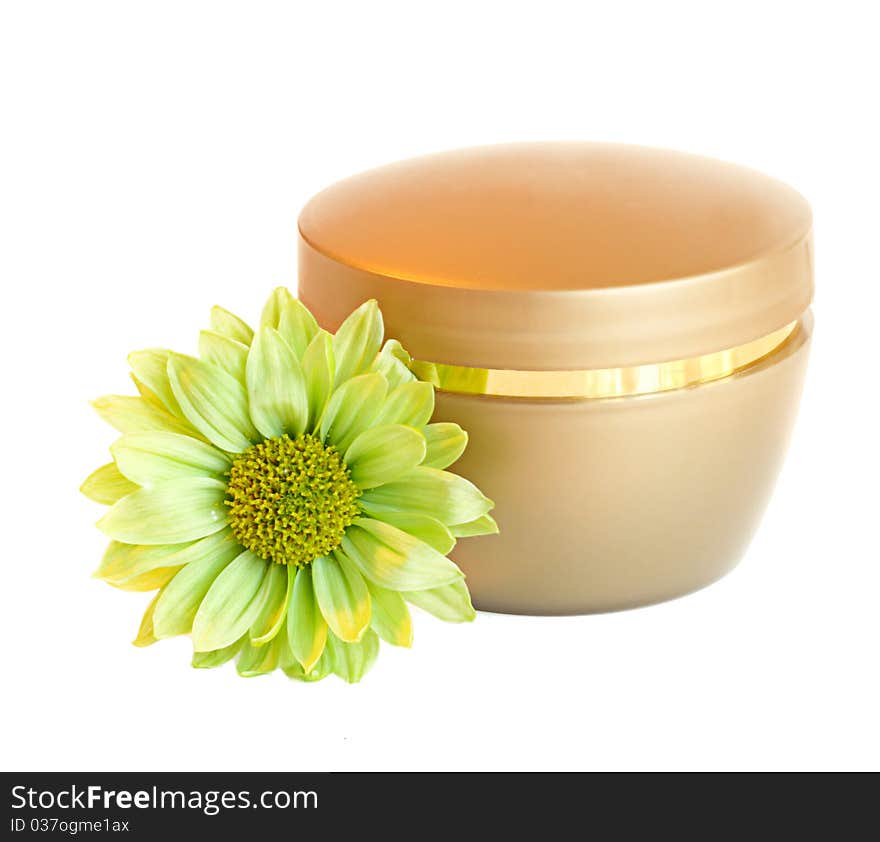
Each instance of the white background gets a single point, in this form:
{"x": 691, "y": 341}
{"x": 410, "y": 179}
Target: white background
{"x": 154, "y": 158}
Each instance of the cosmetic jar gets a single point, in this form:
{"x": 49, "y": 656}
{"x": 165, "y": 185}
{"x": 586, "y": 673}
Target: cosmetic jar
{"x": 622, "y": 331}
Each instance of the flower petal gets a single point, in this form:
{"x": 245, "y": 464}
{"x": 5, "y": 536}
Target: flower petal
{"x": 291, "y": 318}
{"x": 318, "y": 365}
{"x": 107, "y": 485}
{"x": 293, "y": 669}
{"x": 216, "y": 657}
{"x": 214, "y": 402}
{"x": 184, "y": 594}
{"x": 394, "y": 361}
{"x": 231, "y": 605}
{"x": 276, "y": 386}
{"x": 445, "y": 443}
{"x": 137, "y": 414}
{"x": 306, "y": 626}
{"x": 277, "y": 587}
{"x": 395, "y": 559}
{"x": 148, "y": 581}
{"x": 384, "y": 453}
{"x": 411, "y": 404}
{"x": 484, "y": 525}
{"x": 228, "y": 324}
{"x": 357, "y": 341}
{"x": 390, "y": 617}
{"x": 122, "y": 562}
{"x": 352, "y": 408}
{"x": 440, "y": 494}
{"x": 258, "y": 660}
{"x": 145, "y": 636}
{"x": 451, "y": 602}
{"x": 150, "y": 367}
{"x": 149, "y": 458}
{"x": 170, "y": 513}
{"x": 427, "y": 529}
{"x": 224, "y": 352}
{"x": 342, "y": 596}
{"x": 352, "y": 661}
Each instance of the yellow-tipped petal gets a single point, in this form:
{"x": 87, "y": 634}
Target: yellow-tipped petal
{"x": 145, "y": 636}
{"x": 136, "y": 414}
{"x": 277, "y": 586}
{"x": 352, "y": 661}
{"x": 150, "y": 367}
{"x": 423, "y": 527}
{"x": 342, "y": 596}
{"x": 390, "y": 616}
{"x": 306, "y": 626}
{"x": 107, "y": 485}
{"x": 483, "y": 525}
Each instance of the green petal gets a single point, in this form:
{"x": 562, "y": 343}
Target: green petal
{"x": 427, "y": 529}
{"x": 393, "y": 361}
{"x": 231, "y": 605}
{"x": 395, "y": 559}
{"x": 214, "y": 402}
{"x": 224, "y": 352}
{"x": 145, "y": 636}
{"x": 306, "y": 626}
{"x": 411, "y": 404}
{"x": 150, "y": 367}
{"x": 352, "y": 408}
{"x": 276, "y": 386}
{"x": 228, "y": 324}
{"x": 216, "y": 657}
{"x": 122, "y": 562}
{"x": 149, "y": 458}
{"x": 318, "y": 365}
{"x": 258, "y": 660}
{"x": 440, "y": 494}
{"x": 352, "y": 661}
{"x": 134, "y": 415}
{"x": 185, "y": 592}
{"x": 390, "y": 618}
{"x": 357, "y": 341}
{"x": 451, "y": 602}
{"x": 170, "y": 513}
{"x": 445, "y": 443}
{"x": 277, "y": 586}
{"x": 342, "y": 596}
{"x": 382, "y": 454}
{"x": 291, "y": 319}
{"x": 106, "y": 485}
{"x": 484, "y": 525}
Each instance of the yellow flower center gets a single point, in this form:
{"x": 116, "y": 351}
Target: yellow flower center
{"x": 291, "y": 500}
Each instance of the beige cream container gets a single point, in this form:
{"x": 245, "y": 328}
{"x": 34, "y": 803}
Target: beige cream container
{"x": 622, "y": 331}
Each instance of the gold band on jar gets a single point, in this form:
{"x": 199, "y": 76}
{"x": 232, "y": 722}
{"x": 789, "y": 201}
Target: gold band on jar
{"x": 602, "y": 382}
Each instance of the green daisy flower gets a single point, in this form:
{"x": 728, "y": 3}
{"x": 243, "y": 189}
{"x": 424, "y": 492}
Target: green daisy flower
{"x": 286, "y": 494}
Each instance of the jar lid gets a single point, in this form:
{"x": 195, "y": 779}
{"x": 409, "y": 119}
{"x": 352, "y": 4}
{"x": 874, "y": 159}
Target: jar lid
{"x": 560, "y": 256}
